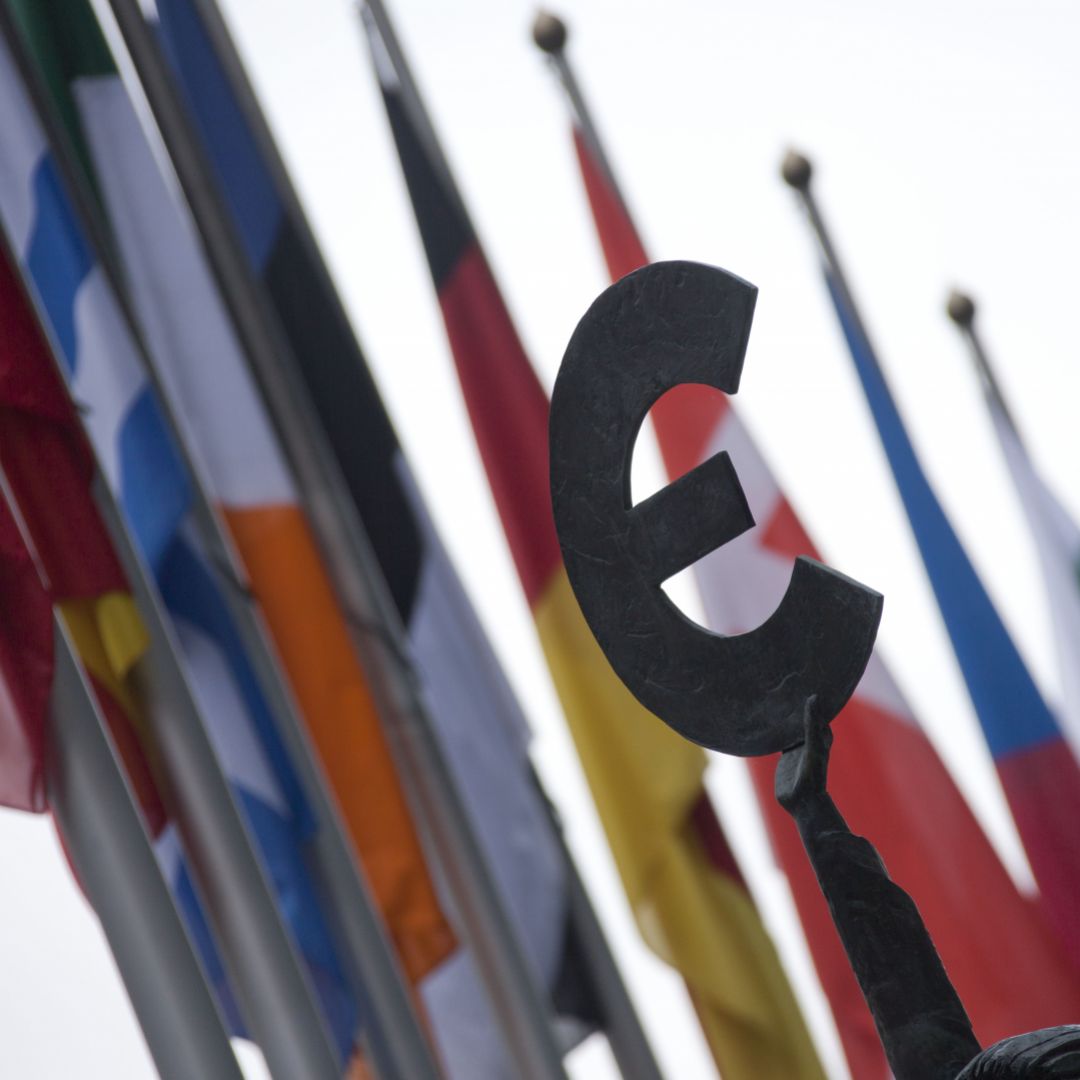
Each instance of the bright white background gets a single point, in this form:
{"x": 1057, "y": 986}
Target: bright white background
{"x": 945, "y": 141}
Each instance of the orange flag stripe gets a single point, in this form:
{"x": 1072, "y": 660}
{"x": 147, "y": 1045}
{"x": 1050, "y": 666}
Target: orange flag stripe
{"x": 312, "y": 639}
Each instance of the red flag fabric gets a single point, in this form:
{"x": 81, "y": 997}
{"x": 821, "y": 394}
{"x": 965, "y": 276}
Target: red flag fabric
{"x": 48, "y": 467}
{"x": 26, "y": 669}
{"x": 885, "y": 775}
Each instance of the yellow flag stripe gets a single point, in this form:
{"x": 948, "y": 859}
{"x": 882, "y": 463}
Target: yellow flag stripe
{"x": 109, "y": 636}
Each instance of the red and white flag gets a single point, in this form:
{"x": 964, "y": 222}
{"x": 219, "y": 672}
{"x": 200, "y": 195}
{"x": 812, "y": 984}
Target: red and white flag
{"x": 885, "y": 775}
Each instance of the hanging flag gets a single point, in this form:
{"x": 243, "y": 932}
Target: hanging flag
{"x": 140, "y": 465}
{"x": 1002, "y": 962}
{"x": 482, "y": 733}
{"x": 212, "y": 396}
{"x": 26, "y": 670}
{"x": 684, "y": 887}
{"x": 47, "y": 467}
{"x": 1038, "y": 772}
{"x": 1057, "y": 541}
{"x": 26, "y": 665}
{"x": 1056, "y": 534}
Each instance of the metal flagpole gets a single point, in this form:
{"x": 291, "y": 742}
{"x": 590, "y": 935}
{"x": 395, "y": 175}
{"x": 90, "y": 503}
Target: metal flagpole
{"x": 362, "y": 590}
{"x": 550, "y": 35}
{"x": 410, "y": 96}
{"x": 961, "y": 309}
{"x": 622, "y": 1027}
{"x": 627, "y": 1039}
{"x": 370, "y": 964}
{"x": 797, "y": 172}
{"x": 624, "y": 1030}
{"x": 111, "y": 852}
{"x": 275, "y": 995}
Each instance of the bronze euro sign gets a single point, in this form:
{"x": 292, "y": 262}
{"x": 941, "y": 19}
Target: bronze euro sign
{"x": 664, "y": 325}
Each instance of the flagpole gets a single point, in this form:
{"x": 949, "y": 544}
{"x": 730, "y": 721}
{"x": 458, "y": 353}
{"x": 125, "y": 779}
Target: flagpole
{"x": 550, "y": 35}
{"x": 275, "y": 996}
{"x": 372, "y": 969}
{"x": 374, "y": 622}
{"x": 412, "y": 100}
{"x": 628, "y": 1040}
{"x": 1056, "y": 537}
{"x": 1012, "y": 712}
{"x": 961, "y": 310}
{"x": 797, "y": 172}
{"x": 623, "y": 1029}
{"x": 108, "y": 846}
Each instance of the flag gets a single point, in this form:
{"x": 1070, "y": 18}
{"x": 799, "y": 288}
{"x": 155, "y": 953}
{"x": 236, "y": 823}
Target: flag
{"x": 47, "y": 467}
{"x": 210, "y": 389}
{"x": 26, "y": 670}
{"x": 476, "y": 719}
{"x": 684, "y": 887}
{"x": 1057, "y": 542}
{"x": 1001, "y": 960}
{"x": 141, "y": 466}
{"x": 1038, "y": 772}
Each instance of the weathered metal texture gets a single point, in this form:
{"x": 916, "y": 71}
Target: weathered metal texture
{"x": 1048, "y": 1054}
{"x": 667, "y": 324}
{"x": 924, "y": 1030}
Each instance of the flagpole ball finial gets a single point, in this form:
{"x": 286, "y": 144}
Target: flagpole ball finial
{"x": 961, "y": 308}
{"x": 796, "y": 170}
{"x": 549, "y": 32}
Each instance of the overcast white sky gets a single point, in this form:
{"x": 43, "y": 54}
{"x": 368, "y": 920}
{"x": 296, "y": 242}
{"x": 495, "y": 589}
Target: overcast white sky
{"x": 945, "y": 142}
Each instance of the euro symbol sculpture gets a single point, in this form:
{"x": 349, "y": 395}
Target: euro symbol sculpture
{"x": 664, "y": 325}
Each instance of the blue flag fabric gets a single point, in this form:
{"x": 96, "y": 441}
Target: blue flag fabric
{"x": 1011, "y": 710}
{"x": 244, "y": 181}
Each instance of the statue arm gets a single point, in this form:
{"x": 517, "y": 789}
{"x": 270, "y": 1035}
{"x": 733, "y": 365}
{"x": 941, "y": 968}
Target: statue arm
{"x": 920, "y": 1019}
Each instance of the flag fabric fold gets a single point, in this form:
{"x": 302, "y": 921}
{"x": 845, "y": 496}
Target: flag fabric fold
{"x": 1038, "y": 772}
{"x": 476, "y": 719}
{"x": 48, "y": 467}
{"x": 1004, "y": 963}
{"x": 213, "y": 397}
{"x": 1057, "y": 543}
{"x": 690, "y": 902}
{"x": 141, "y": 466}
{"x": 26, "y": 669}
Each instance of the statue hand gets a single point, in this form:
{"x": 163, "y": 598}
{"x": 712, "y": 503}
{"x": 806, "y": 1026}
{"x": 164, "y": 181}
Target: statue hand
{"x": 802, "y": 771}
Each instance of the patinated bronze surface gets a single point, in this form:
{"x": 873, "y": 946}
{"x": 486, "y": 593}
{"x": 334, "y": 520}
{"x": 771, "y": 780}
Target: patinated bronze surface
{"x": 919, "y": 1017}
{"x": 667, "y": 324}
{"x": 920, "y": 1020}
{"x": 776, "y": 688}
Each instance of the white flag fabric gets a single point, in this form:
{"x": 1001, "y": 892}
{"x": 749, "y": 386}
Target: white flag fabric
{"x": 1057, "y": 540}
